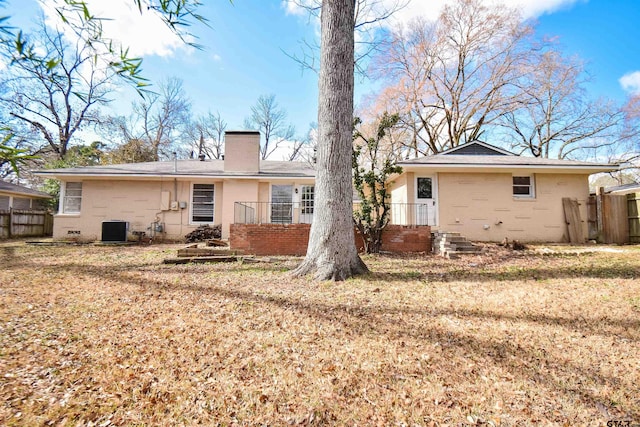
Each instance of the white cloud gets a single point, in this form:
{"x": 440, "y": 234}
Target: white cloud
{"x": 630, "y": 82}
{"x": 291, "y": 6}
{"x": 142, "y": 33}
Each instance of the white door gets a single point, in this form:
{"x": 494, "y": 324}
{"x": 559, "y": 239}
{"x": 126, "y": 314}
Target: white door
{"x": 306, "y": 204}
{"x": 425, "y": 209}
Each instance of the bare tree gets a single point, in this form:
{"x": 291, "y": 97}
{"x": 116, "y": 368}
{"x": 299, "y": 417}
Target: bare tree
{"x": 457, "y": 75}
{"x": 369, "y": 16}
{"x": 207, "y": 135}
{"x": 303, "y": 147}
{"x": 332, "y": 253}
{"x": 632, "y": 107}
{"x": 159, "y": 119}
{"x": 401, "y": 140}
{"x": 58, "y": 96}
{"x": 629, "y": 154}
{"x": 307, "y": 146}
{"x": 270, "y": 119}
{"x": 555, "y": 118}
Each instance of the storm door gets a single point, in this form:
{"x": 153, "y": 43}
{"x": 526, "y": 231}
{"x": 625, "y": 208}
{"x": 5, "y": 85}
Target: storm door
{"x": 425, "y": 209}
{"x": 281, "y": 204}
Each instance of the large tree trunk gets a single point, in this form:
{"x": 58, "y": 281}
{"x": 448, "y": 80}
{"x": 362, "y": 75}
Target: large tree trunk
{"x": 332, "y": 252}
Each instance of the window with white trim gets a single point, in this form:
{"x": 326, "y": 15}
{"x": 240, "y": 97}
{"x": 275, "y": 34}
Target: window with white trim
{"x": 307, "y": 199}
{"x": 523, "y": 186}
{"x": 202, "y": 203}
{"x": 72, "y": 202}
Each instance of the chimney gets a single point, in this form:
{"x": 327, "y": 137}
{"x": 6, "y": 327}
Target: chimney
{"x": 242, "y": 151}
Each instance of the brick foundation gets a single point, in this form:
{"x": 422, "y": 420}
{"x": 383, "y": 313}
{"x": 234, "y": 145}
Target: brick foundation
{"x": 292, "y": 239}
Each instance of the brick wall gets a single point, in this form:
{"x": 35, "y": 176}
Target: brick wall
{"x": 292, "y": 239}
{"x": 270, "y": 239}
{"x": 406, "y": 238}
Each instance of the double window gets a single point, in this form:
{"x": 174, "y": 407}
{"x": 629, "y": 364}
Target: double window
{"x": 202, "y": 203}
{"x": 72, "y": 201}
{"x": 523, "y": 186}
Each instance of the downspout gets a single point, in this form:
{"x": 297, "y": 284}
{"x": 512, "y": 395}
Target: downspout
{"x": 175, "y": 186}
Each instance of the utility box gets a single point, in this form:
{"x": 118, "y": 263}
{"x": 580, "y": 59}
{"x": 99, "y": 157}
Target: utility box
{"x": 114, "y": 231}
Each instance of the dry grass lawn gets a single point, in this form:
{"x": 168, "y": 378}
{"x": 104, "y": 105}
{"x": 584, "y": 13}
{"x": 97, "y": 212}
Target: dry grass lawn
{"x": 102, "y": 336}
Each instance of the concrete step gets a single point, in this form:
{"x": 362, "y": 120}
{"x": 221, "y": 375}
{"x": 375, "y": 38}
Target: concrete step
{"x": 450, "y": 244}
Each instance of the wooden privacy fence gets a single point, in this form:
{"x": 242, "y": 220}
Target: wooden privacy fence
{"x": 614, "y": 218}
{"x": 25, "y": 223}
{"x": 633, "y": 211}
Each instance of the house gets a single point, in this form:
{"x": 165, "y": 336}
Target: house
{"x": 169, "y": 199}
{"x": 14, "y": 196}
{"x": 486, "y": 193}
{"x": 483, "y": 192}
{"x": 23, "y": 212}
{"x": 631, "y": 188}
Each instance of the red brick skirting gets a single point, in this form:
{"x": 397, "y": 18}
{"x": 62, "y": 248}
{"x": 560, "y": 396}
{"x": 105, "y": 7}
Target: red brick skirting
{"x": 292, "y": 239}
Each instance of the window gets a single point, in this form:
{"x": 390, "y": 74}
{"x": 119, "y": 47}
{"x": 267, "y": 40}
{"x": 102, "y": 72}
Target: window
{"x": 202, "y": 203}
{"x": 72, "y": 197}
{"x": 523, "y": 186}
{"x": 425, "y": 190}
{"x": 281, "y": 204}
{"x": 307, "y": 199}
{"x": 306, "y": 204}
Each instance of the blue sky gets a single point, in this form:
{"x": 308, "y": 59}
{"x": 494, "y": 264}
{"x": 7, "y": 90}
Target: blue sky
{"x": 245, "y": 50}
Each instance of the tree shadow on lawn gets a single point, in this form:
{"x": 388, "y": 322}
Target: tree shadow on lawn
{"x": 528, "y": 364}
{"x": 626, "y": 328}
{"x": 478, "y": 274}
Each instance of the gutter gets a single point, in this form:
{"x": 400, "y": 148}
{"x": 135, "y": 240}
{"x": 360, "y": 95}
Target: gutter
{"x": 484, "y": 166}
{"x": 168, "y": 176}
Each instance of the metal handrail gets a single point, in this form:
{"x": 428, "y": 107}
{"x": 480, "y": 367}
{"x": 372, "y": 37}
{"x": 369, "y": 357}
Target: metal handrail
{"x": 302, "y": 213}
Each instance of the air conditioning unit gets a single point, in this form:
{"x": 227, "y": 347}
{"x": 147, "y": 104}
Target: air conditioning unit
{"x": 114, "y": 231}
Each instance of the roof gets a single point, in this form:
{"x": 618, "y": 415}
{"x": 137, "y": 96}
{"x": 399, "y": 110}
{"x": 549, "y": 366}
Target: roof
{"x": 186, "y": 168}
{"x": 478, "y": 147}
{"x": 7, "y": 187}
{"x": 465, "y": 156}
{"x": 633, "y": 187}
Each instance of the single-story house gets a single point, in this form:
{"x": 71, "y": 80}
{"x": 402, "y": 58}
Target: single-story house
{"x": 169, "y": 199}
{"x": 630, "y": 188}
{"x": 486, "y": 193}
{"x": 479, "y": 190}
{"x": 13, "y": 196}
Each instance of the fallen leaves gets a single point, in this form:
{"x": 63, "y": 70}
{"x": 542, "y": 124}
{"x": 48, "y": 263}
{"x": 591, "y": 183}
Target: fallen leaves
{"x": 109, "y": 336}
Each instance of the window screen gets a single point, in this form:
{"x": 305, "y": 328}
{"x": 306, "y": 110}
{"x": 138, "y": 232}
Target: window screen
{"x": 202, "y": 203}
